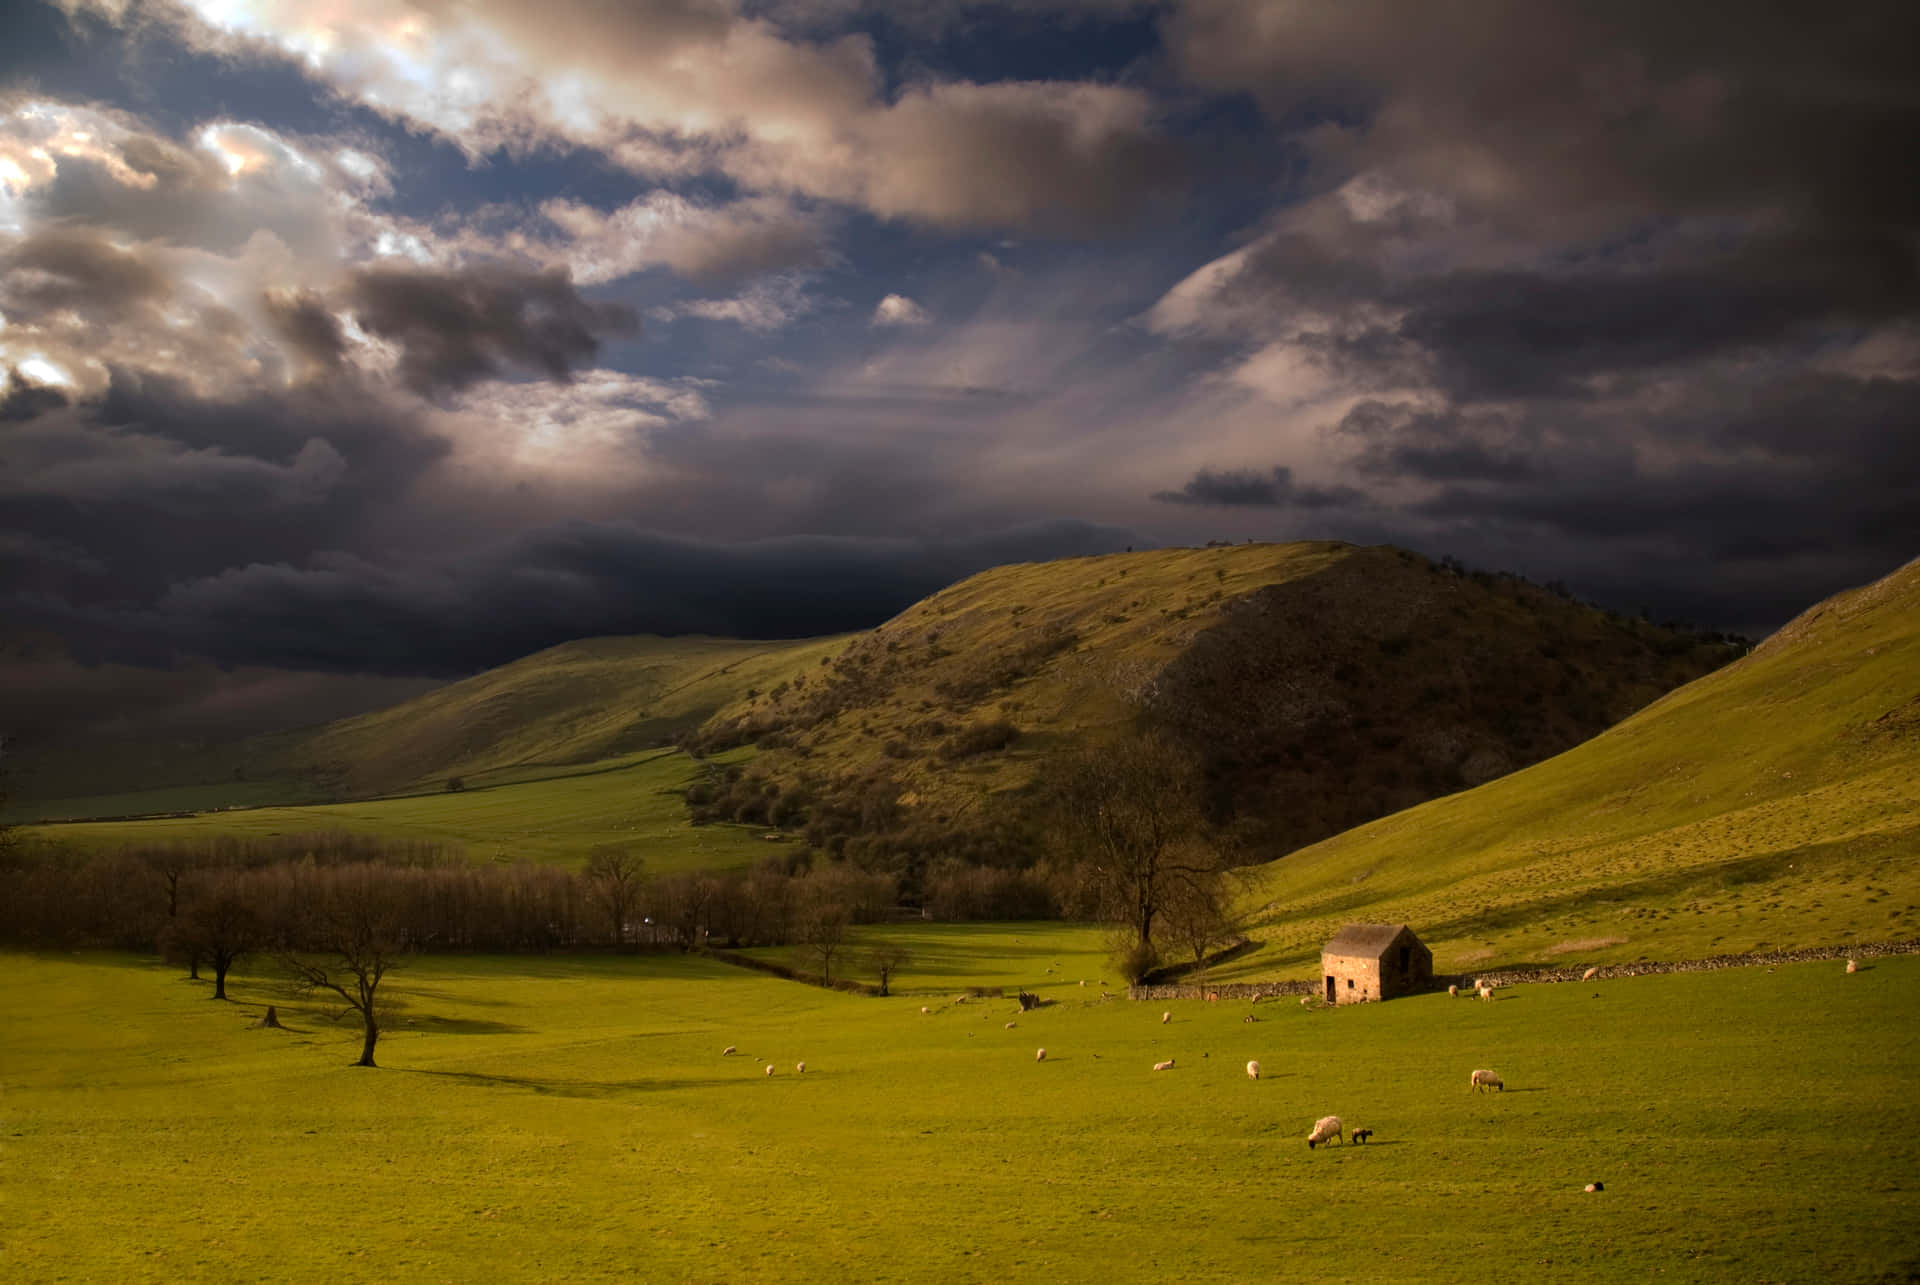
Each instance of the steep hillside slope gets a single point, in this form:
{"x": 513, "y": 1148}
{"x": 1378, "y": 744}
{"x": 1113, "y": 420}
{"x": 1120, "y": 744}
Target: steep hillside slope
{"x": 1322, "y": 684}
{"x": 1773, "y": 804}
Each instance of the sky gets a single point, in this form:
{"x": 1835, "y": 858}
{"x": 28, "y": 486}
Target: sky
{"x": 377, "y": 339}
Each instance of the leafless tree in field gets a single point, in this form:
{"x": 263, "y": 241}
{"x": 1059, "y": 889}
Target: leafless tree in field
{"x": 616, "y": 877}
{"x": 1132, "y": 812}
{"x": 345, "y": 943}
{"x": 221, "y": 924}
{"x": 887, "y": 958}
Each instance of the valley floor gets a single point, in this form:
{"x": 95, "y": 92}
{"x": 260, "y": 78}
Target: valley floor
{"x": 574, "y": 1118}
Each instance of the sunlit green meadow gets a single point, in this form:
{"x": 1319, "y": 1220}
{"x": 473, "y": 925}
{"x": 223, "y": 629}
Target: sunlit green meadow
{"x": 638, "y": 801}
{"x": 574, "y": 1119}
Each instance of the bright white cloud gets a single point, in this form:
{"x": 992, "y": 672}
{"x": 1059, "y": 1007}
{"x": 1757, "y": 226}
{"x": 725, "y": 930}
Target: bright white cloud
{"x": 676, "y": 87}
{"x": 898, "y": 310}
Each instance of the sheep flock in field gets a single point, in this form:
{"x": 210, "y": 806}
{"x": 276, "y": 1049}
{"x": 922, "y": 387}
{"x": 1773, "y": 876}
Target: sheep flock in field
{"x": 1485, "y": 1080}
{"x": 1325, "y": 1129}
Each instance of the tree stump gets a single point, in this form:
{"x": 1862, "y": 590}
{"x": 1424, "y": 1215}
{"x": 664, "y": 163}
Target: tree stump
{"x": 271, "y": 1019}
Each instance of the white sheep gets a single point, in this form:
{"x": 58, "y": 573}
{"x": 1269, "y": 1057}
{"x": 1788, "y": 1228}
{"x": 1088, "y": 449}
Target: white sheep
{"x": 1485, "y": 1080}
{"x": 1852, "y": 967}
{"x": 1306, "y": 1001}
{"x": 1325, "y": 1129}
{"x": 728, "y": 1051}
{"x": 1486, "y": 993}
{"x": 1253, "y": 1070}
{"x": 1453, "y": 990}
{"x": 1165, "y": 1018}
{"x": 1011, "y": 1025}
{"x": 1164, "y": 1066}
{"x": 1039, "y": 1055}
{"x": 769, "y": 1068}
{"x": 799, "y": 1068}
{"x": 1590, "y": 974}
{"x": 925, "y": 1009}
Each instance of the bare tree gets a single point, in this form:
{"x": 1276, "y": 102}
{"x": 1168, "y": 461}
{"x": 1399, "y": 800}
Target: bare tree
{"x": 615, "y": 874}
{"x": 1132, "y": 812}
{"x": 823, "y": 931}
{"x": 352, "y": 926}
{"x": 221, "y": 925}
{"x": 887, "y": 958}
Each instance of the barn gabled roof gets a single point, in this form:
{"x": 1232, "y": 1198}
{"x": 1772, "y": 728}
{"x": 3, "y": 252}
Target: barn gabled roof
{"x": 1368, "y": 940}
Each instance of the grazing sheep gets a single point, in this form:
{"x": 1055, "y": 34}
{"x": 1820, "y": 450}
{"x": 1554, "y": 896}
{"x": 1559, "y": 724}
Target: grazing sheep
{"x": 1596, "y": 1186}
{"x": 1486, "y": 993}
{"x": 728, "y": 1051}
{"x": 1165, "y": 1018}
{"x": 1325, "y": 1129}
{"x": 1361, "y": 1135}
{"x": 1164, "y": 1066}
{"x": 1453, "y": 990}
{"x": 1253, "y": 1070}
{"x": 1011, "y": 1025}
{"x": 769, "y": 1068}
{"x": 1590, "y": 974}
{"x": 925, "y": 1009}
{"x": 1039, "y": 1055}
{"x": 1852, "y": 967}
{"x": 1485, "y": 1080}
{"x": 799, "y": 1068}
{"x": 1306, "y": 1001}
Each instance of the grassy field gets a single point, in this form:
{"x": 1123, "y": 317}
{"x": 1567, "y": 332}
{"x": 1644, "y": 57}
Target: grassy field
{"x": 638, "y": 800}
{"x": 1773, "y": 804}
{"x": 573, "y": 1119}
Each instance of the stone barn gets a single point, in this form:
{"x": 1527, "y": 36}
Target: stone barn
{"x": 1375, "y": 961}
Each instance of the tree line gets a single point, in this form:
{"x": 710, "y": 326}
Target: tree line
{"x": 1122, "y": 838}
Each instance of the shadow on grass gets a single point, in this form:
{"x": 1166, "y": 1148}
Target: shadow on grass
{"x": 550, "y": 1086}
{"x": 458, "y": 1026}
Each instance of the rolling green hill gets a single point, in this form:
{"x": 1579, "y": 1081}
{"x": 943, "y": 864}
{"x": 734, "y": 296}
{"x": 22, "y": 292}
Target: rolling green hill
{"x": 1771, "y": 805}
{"x": 1322, "y": 684}
{"x": 581, "y": 702}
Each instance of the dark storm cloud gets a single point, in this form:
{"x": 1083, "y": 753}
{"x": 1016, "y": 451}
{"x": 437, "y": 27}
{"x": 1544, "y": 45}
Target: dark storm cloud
{"x": 1407, "y": 442}
{"x": 193, "y": 484}
{"x": 455, "y": 328}
{"x": 68, "y": 266}
{"x": 1244, "y": 488}
{"x": 1585, "y": 110}
{"x": 309, "y": 327}
{"x": 572, "y": 581}
{"x": 1501, "y": 334}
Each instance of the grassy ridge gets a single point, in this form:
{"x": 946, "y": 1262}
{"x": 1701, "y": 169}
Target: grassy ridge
{"x": 1323, "y": 684}
{"x": 581, "y": 702}
{"x": 573, "y": 1119}
{"x": 1775, "y": 803}
{"x": 638, "y": 801}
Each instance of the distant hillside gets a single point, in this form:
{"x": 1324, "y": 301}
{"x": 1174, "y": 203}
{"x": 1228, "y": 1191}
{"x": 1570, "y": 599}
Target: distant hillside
{"x": 1323, "y": 684}
{"x": 575, "y": 703}
{"x": 1773, "y": 804}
